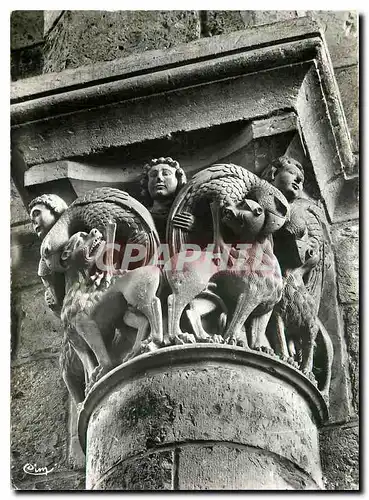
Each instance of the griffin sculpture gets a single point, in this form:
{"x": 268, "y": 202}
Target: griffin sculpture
{"x": 298, "y": 326}
{"x": 243, "y": 209}
{"x": 95, "y": 307}
{"x": 97, "y": 209}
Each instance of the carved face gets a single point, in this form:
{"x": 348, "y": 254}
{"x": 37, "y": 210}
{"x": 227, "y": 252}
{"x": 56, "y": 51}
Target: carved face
{"x": 42, "y": 220}
{"x": 82, "y": 249}
{"x": 163, "y": 181}
{"x": 289, "y": 180}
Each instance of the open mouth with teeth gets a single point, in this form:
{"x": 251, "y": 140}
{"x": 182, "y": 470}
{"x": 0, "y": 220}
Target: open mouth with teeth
{"x": 95, "y": 246}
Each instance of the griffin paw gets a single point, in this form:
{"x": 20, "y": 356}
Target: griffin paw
{"x": 265, "y": 349}
{"x": 96, "y": 375}
{"x": 184, "y": 338}
{"x": 208, "y": 339}
{"x": 217, "y": 339}
{"x": 148, "y": 346}
{"x": 230, "y": 341}
{"x": 237, "y": 342}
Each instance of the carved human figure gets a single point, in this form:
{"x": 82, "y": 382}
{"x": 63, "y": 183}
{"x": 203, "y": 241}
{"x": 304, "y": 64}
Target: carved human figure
{"x": 302, "y": 235}
{"x": 161, "y": 180}
{"x": 288, "y": 176}
{"x": 301, "y": 248}
{"x": 45, "y": 210}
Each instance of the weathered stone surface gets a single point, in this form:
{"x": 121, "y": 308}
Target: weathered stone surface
{"x": 217, "y": 22}
{"x": 199, "y": 50}
{"x": 153, "y": 472}
{"x": 348, "y": 83}
{"x": 156, "y": 117}
{"x": 340, "y": 406}
{"x": 40, "y": 330}
{"x": 258, "y": 17}
{"x": 26, "y": 28}
{"x": 18, "y": 212}
{"x": 340, "y": 29}
{"x": 39, "y": 418}
{"x": 351, "y": 317}
{"x": 232, "y": 467}
{"x": 219, "y": 403}
{"x": 76, "y": 457}
{"x": 84, "y": 37}
{"x": 50, "y": 18}
{"x": 346, "y": 243}
{"x": 339, "y": 448}
{"x": 25, "y": 256}
{"x": 55, "y": 481}
{"x": 26, "y": 62}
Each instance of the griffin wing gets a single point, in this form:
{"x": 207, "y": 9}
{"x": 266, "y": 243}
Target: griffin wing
{"x": 224, "y": 183}
{"x": 99, "y": 207}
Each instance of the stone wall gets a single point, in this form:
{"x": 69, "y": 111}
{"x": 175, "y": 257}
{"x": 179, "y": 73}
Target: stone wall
{"x": 56, "y": 40}
{"x": 40, "y": 409}
{"x": 70, "y": 39}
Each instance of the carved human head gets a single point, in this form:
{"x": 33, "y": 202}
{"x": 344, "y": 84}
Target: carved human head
{"x": 287, "y": 175}
{"x": 45, "y": 210}
{"x": 162, "y": 178}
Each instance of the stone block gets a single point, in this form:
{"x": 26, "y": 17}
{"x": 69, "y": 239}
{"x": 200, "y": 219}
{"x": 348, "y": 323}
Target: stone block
{"x": 50, "y": 18}
{"x": 27, "y": 28}
{"x": 25, "y": 256}
{"x": 26, "y": 62}
{"x": 232, "y": 467}
{"x": 39, "y": 328}
{"x": 351, "y": 317}
{"x": 346, "y": 247}
{"x": 151, "y": 473}
{"x": 64, "y": 481}
{"x": 85, "y": 37}
{"x": 192, "y": 403}
{"x": 18, "y": 212}
{"x": 38, "y": 417}
{"x": 258, "y": 17}
{"x": 218, "y": 22}
{"x": 348, "y": 83}
{"x": 340, "y": 28}
{"x": 339, "y": 449}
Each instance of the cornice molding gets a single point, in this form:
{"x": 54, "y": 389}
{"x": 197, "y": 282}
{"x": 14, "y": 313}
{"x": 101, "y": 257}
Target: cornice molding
{"x": 252, "y": 74}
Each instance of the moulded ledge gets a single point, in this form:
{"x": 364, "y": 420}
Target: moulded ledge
{"x": 200, "y": 354}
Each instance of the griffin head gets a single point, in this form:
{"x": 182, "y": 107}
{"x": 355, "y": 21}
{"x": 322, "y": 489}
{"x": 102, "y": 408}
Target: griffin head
{"x": 82, "y": 250}
{"x": 275, "y": 205}
{"x": 246, "y": 219}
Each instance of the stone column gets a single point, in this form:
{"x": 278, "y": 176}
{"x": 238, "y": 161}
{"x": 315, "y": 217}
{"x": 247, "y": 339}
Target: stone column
{"x": 202, "y": 417}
